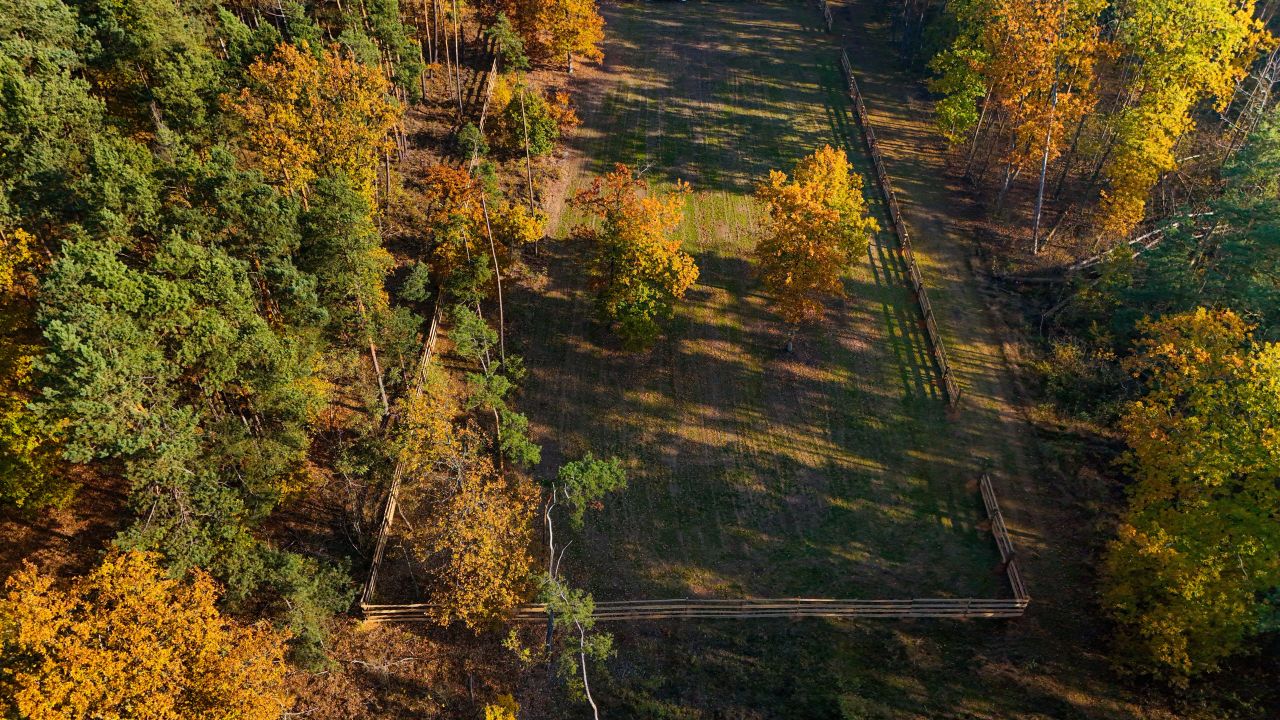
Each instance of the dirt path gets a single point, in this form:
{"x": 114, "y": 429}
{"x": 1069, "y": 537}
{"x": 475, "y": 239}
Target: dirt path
{"x": 1060, "y": 638}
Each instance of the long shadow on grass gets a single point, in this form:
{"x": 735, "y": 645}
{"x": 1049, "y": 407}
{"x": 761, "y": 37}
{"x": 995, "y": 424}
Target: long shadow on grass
{"x": 754, "y": 472}
{"x": 707, "y": 100}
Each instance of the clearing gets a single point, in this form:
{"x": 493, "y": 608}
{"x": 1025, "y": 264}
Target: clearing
{"x": 830, "y": 472}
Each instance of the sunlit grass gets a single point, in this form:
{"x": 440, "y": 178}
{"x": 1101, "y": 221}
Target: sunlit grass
{"x": 829, "y": 472}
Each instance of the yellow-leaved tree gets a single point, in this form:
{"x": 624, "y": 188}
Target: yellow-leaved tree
{"x": 817, "y": 227}
{"x": 569, "y": 27}
{"x": 32, "y": 474}
{"x": 127, "y": 641}
{"x": 1199, "y": 545}
{"x": 1040, "y": 68}
{"x": 472, "y": 531}
{"x": 309, "y": 116}
{"x": 1179, "y": 52}
{"x": 637, "y": 265}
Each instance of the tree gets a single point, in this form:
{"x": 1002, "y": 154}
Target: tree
{"x": 472, "y": 534}
{"x": 527, "y": 116}
{"x": 452, "y": 215}
{"x": 342, "y": 249}
{"x": 1229, "y": 257}
{"x": 309, "y": 116}
{"x": 49, "y": 120}
{"x": 1031, "y": 65}
{"x": 156, "y": 61}
{"x": 127, "y": 641}
{"x": 580, "y": 483}
{"x": 515, "y": 225}
{"x": 585, "y": 482}
{"x": 575, "y": 609}
{"x": 425, "y": 432}
{"x": 637, "y": 266}
{"x": 569, "y": 27}
{"x": 489, "y": 389}
{"x": 507, "y": 41}
{"x": 817, "y": 228}
{"x": 505, "y": 708}
{"x": 1180, "y": 52}
{"x": 1196, "y": 547}
{"x": 32, "y": 475}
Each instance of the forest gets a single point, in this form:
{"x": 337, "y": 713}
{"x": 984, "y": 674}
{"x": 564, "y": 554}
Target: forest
{"x": 369, "y": 358}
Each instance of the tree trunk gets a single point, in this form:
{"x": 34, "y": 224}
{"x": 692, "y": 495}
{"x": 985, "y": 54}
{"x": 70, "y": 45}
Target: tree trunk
{"x": 528, "y": 160}
{"x": 457, "y": 54}
{"x": 1071, "y": 155}
{"x": 977, "y": 133}
{"x": 373, "y": 353}
{"x": 1044, "y": 171}
{"x": 497, "y": 275}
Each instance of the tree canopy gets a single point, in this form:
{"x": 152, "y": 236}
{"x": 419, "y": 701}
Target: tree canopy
{"x": 127, "y": 641}
{"x": 637, "y": 264}
{"x": 1196, "y": 549}
{"x": 817, "y": 227}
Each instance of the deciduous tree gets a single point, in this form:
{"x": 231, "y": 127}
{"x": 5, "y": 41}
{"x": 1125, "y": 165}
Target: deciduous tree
{"x": 1180, "y": 53}
{"x": 570, "y": 27}
{"x": 817, "y": 227}
{"x": 1196, "y": 550}
{"x": 472, "y": 532}
{"x": 127, "y": 641}
{"x": 308, "y": 116}
{"x": 637, "y": 266}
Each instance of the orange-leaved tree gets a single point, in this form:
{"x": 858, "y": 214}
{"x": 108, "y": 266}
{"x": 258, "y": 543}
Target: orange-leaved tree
{"x": 637, "y": 265}
{"x": 452, "y": 214}
{"x": 549, "y": 29}
{"x": 570, "y": 27}
{"x": 307, "y": 117}
{"x": 817, "y": 226}
{"x": 1041, "y": 59}
{"x": 1196, "y": 551}
{"x": 127, "y": 641}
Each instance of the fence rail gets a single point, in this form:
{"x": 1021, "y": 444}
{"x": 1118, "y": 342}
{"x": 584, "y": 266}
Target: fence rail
{"x": 393, "y": 492}
{"x": 1001, "y": 533}
{"x": 751, "y": 609}
{"x": 949, "y": 384}
{"x": 764, "y": 608}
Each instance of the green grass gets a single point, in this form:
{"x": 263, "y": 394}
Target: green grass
{"x": 829, "y": 472}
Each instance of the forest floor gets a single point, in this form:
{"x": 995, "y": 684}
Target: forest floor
{"x": 834, "y": 471}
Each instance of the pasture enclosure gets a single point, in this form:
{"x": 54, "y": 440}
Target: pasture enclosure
{"x": 832, "y": 472}
{"x": 829, "y": 472}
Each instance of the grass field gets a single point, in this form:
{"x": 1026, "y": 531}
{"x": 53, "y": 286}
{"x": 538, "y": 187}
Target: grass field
{"x": 826, "y": 472}
{"x": 833, "y": 471}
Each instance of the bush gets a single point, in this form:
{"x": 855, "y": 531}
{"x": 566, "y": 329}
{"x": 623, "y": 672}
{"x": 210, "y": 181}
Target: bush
{"x": 470, "y": 140}
{"x": 528, "y": 107}
{"x": 1083, "y": 382}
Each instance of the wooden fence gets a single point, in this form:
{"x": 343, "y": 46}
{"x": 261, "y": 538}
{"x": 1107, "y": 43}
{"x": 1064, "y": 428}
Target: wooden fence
{"x": 393, "y": 493}
{"x": 826, "y": 14}
{"x": 763, "y": 608}
{"x": 939, "y": 351}
{"x": 1001, "y": 534}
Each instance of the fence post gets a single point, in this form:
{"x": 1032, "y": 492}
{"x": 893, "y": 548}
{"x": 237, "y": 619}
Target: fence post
{"x": 949, "y": 386}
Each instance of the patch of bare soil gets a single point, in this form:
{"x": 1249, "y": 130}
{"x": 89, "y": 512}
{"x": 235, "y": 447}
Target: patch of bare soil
{"x": 66, "y": 542}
